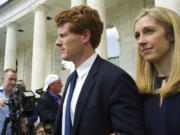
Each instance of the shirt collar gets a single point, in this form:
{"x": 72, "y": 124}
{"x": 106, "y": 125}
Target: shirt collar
{"x": 2, "y": 90}
{"x": 52, "y": 94}
{"x": 85, "y": 67}
{"x": 3, "y": 93}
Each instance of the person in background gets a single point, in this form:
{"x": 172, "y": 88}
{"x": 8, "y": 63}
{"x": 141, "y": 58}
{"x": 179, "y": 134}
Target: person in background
{"x": 157, "y": 32}
{"x": 99, "y": 98}
{"x": 27, "y": 123}
{"x": 9, "y": 79}
{"x": 50, "y": 101}
{"x": 40, "y": 129}
{"x": 21, "y": 82}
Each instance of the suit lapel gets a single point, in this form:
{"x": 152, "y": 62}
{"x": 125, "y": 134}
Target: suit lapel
{"x": 66, "y": 87}
{"x": 85, "y": 92}
{"x": 60, "y": 110}
{"x": 65, "y": 91}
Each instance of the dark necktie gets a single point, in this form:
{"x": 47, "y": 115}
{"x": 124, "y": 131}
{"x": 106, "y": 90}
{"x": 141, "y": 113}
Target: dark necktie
{"x": 68, "y": 124}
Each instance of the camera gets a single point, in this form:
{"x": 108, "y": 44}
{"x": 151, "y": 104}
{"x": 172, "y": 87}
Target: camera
{"x": 20, "y": 105}
{"x": 20, "y": 101}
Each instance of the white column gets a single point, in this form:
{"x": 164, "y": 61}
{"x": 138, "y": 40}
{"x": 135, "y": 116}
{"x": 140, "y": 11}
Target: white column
{"x": 39, "y": 49}
{"x": 99, "y": 5}
{"x": 10, "y": 48}
{"x": 171, "y": 4}
{"x": 77, "y": 2}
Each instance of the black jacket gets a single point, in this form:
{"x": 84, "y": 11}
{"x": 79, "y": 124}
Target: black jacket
{"x": 47, "y": 109}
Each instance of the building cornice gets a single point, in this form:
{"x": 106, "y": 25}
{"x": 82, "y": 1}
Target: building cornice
{"x": 18, "y": 10}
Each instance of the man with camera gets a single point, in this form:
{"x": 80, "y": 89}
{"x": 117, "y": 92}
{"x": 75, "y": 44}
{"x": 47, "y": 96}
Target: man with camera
{"x": 9, "y": 79}
{"x": 49, "y": 102}
{"x": 27, "y": 123}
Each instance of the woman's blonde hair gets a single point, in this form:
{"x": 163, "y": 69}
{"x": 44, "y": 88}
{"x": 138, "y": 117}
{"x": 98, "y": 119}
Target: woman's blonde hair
{"x": 145, "y": 71}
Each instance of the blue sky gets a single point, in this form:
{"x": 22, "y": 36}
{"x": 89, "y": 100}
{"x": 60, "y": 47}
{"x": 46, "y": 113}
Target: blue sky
{"x": 112, "y": 42}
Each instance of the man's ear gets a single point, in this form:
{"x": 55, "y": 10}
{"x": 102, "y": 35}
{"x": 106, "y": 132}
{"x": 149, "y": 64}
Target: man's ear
{"x": 2, "y": 78}
{"x": 86, "y": 36}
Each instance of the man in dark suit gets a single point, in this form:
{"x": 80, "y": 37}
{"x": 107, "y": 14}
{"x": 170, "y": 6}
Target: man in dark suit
{"x": 105, "y": 99}
{"x": 49, "y": 101}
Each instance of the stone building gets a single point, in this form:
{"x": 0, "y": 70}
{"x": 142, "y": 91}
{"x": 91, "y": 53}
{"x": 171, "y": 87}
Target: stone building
{"x": 28, "y": 34}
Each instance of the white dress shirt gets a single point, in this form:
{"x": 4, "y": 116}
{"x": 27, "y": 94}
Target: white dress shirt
{"x": 82, "y": 72}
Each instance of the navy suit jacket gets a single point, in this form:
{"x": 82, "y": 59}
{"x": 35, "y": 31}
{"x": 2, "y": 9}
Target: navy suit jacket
{"x": 47, "y": 109}
{"x": 109, "y": 102}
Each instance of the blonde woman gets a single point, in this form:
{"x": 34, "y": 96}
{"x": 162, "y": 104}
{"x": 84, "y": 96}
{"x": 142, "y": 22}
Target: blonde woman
{"x": 157, "y": 32}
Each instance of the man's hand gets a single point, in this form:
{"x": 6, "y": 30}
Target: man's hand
{"x": 2, "y": 101}
{"x": 23, "y": 125}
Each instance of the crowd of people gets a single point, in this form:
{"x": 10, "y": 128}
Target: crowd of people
{"x": 46, "y": 108}
{"x": 100, "y": 98}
